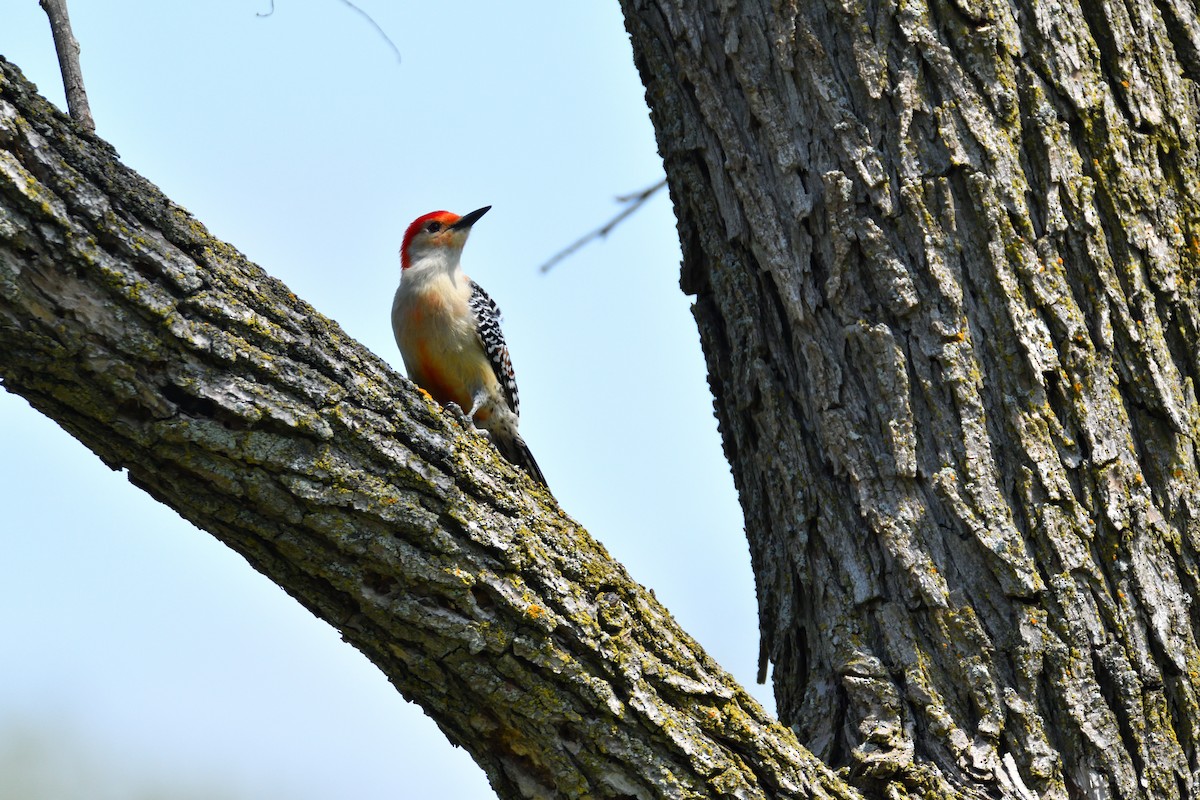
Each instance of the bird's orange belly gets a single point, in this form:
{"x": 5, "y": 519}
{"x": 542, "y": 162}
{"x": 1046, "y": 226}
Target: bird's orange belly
{"x": 444, "y": 388}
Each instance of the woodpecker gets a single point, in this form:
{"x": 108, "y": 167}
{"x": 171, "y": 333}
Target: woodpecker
{"x": 448, "y": 332}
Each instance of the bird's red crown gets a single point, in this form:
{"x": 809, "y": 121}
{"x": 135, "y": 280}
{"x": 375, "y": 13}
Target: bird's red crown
{"x": 445, "y": 217}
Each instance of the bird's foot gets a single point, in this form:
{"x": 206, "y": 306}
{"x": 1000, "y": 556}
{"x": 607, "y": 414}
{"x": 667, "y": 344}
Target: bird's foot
{"x": 455, "y": 410}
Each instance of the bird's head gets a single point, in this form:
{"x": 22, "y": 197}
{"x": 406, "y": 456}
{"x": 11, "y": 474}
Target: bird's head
{"x": 438, "y": 233}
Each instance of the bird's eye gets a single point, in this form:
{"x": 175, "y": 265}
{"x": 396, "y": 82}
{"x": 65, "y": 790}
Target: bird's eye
{"x": 433, "y": 227}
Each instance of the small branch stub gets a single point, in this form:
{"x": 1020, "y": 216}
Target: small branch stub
{"x": 68, "y": 62}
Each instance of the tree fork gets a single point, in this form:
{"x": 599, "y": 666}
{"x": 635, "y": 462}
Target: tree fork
{"x": 232, "y": 401}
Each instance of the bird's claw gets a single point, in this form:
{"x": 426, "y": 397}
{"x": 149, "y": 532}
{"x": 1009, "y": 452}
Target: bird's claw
{"x": 465, "y": 419}
{"x": 455, "y": 410}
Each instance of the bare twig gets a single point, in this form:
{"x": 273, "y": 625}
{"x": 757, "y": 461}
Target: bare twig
{"x": 375, "y": 25}
{"x": 364, "y": 15}
{"x": 68, "y": 63}
{"x": 633, "y": 203}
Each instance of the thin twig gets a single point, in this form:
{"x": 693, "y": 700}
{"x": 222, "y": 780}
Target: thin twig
{"x": 68, "y": 63}
{"x": 633, "y": 203}
{"x": 374, "y": 25}
{"x": 364, "y": 15}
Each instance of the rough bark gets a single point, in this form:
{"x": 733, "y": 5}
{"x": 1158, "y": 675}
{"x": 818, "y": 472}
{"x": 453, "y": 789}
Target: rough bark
{"x": 241, "y": 407}
{"x": 945, "y": 261}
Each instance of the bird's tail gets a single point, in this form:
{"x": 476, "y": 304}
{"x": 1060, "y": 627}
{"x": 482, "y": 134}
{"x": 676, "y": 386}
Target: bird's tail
{"x": 515, "y": 451}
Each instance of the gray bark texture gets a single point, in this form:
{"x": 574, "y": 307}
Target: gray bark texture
{"x": 945, "y": 264}
{"x": 232, "y": 401}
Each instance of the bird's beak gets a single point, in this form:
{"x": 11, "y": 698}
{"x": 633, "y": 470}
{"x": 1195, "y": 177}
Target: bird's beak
{"x": 467, "y": 220}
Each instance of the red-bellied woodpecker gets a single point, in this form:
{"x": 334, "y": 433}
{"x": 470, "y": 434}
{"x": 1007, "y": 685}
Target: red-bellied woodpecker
{"x": 448, "y": 331}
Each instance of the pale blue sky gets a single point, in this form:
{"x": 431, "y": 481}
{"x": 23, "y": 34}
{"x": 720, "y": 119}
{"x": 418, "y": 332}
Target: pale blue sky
{"x": 300, "y": 140}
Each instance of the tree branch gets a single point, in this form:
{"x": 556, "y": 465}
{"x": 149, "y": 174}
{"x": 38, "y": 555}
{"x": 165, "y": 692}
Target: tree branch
{"x": 68, "y": 63}
{"x": 237, "y": 404}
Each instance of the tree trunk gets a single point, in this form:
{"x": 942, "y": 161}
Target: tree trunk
{"x": 945, "y": 265}
{"x": 238, "y": 405}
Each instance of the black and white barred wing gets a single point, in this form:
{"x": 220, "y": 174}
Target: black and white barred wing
{"x": 488, "y": 314}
